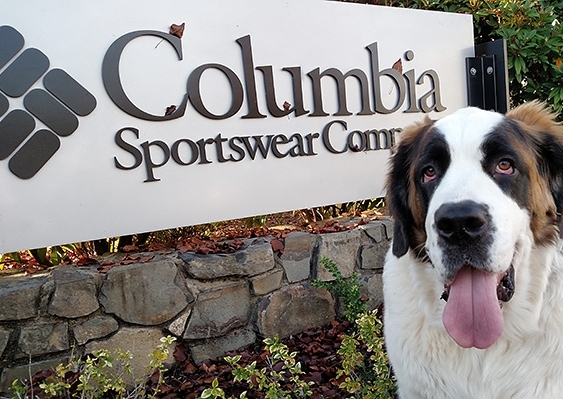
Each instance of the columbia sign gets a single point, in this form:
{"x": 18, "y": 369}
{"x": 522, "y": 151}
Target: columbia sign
{"x": 125, "y": 117}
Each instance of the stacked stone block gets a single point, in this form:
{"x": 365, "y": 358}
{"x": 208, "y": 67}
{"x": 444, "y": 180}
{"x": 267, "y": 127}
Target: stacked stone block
{"x": 214, "y": 303}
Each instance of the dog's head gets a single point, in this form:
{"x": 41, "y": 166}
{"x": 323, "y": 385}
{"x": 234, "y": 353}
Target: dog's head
{"x": 472, "y": 194}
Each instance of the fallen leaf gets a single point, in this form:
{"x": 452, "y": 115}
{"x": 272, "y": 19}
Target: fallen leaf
{"x": 106, "y": 268}
{"x": 558, "y": 63}
{"x": 184, "y": 248}
{"x": 180, "y": 353}
{"x": 154, "y": 377}
{"x": 208, "y": 368}
{"x": 316, "y": 377}
{"x": 197, "y": 241}
{"x": 317, "y": 352}
{"x": 278, "y": 366}
{"x": 31, "y": 270}
{"x": 130, "y": 248}
{"x": 83, "y": 261}
{"x": 156, "y": 246}
{"x": 190, "y": 368}
{"x": 107, "y": 263}
{"x": 398, "y": 66}
{"x": 204, "y": 250}
{"x": 330, "y": 223}
{"x": 277, "y": 245}
{"x": 177, "y": 30}
{"x": 170, "y": 110}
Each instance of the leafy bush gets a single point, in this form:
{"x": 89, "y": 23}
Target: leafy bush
{"x": 99, "y": 375}
{"x": 364, "y": 370}
{"x": 281, "y": 367}
{"x": 365, "y": 366}
{"x": 345, "y": 290}
{"x": 534, "y": 33}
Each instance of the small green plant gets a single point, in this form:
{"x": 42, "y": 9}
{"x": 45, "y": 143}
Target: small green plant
{"x": 255, "y": 221}
{"x": 45, "y": 257}
{"x": 364, "y": 369}
{"x": 99, "y": 375}
{"x": 280, "y": 379}
{"x": 159, "y": 356}
{"x": 345, "y": 290}
{"x": 216, "y": 392}
{"x": 312, "y": 215}
{"x": 364, "y": 362}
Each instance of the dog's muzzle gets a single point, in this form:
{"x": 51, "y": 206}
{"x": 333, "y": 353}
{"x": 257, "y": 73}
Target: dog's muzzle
{"x": 474, "y": 291}
{"x": 465, "y": 236}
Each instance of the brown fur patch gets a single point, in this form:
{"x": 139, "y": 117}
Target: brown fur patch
{"x": 536, "y": 117}
{"x": 402, "y": 197}
{"x": 537, "y": 121}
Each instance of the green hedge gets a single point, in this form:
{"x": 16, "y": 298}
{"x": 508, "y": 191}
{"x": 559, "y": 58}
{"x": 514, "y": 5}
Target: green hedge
{"x": 534, "y": 34}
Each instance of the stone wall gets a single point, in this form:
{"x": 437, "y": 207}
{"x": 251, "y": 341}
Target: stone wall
{"x": 213, "y": 303}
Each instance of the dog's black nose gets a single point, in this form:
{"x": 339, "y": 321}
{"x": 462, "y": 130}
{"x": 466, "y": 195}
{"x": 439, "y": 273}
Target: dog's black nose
{"x": 459, "y": 222}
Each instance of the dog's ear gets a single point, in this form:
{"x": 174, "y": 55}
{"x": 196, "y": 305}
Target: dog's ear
{"x": 548, "y": 134}
{"x": 398, "y": 198}
{"x": 398, "y": 188}
{"x": 551, "y": 163}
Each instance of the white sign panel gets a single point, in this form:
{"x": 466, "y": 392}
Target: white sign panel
{"x": 119, "y": 117}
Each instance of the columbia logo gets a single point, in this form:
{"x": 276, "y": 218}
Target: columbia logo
{"x": 56, "y": 105}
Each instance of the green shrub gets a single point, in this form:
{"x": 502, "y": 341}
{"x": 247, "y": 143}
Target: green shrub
{"x": 99, "y": 375}
{"x": 364, "y": 370}
{"x": 347, "y": 291}
{"x": 365, "y": 366}
{"x": 282, "y": 370}
{"x": 534, "y": 33}
{"x": 534, "y": 36}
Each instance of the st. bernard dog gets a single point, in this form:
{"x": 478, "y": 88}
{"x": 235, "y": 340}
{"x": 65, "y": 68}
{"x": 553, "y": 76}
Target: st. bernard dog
{"x": 473, "y": 283}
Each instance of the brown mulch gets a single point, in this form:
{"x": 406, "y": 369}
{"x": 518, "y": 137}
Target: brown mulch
{"x": 213, "y": 238}
{"x": 315, "y": 350}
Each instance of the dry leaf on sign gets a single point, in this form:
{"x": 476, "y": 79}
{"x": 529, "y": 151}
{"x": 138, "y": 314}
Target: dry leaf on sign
{"x": 177, "y": 30}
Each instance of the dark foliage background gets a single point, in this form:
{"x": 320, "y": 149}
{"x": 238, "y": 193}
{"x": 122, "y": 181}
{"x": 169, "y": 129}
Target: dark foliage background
{"x": 534, "y": 35}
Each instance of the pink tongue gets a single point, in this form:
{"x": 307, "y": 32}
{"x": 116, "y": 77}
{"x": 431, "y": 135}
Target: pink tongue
{"x": 472, "y": 315}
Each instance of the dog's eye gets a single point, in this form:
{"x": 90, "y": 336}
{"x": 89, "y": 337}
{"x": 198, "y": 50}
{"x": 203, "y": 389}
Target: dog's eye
{"x": 504, "y": 167}
{"x": 429, "y": 174}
